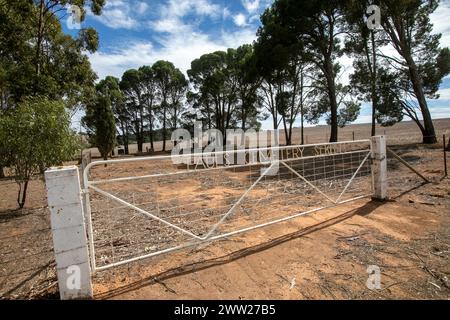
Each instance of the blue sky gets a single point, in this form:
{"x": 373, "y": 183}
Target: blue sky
{"x": 139, "y": 32}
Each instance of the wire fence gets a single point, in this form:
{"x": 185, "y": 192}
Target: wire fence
{"x": 192, "y": 203}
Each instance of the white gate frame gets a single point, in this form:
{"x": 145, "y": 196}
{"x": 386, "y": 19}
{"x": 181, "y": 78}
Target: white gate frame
{"x": 65, "y": 209}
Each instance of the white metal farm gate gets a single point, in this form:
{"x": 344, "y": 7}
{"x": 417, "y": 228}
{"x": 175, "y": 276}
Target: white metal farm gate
{"x": 138, "y": 208}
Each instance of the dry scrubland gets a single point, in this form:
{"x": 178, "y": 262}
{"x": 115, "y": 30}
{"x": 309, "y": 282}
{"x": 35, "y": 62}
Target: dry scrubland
{"x": 323, "y": 255}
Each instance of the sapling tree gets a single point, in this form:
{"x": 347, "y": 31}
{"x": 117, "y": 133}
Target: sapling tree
{"x": 36, "y": 135}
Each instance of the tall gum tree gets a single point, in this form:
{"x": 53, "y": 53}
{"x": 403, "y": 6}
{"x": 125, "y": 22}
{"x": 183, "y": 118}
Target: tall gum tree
{"x": 407, "y": 24}
{"x": 315, "y": 26}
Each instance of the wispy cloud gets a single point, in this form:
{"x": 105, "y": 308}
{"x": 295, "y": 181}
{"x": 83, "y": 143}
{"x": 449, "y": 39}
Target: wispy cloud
{"x": 120, "y": 14}
{"x": 172, "y": 14}
{"x": 181, "y": 49}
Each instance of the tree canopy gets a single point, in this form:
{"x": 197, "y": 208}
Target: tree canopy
{"x": 34, "y": 136}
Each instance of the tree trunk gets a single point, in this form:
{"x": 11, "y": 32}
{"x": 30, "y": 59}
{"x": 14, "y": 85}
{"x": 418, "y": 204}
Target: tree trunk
{"x": 287, "y": 138}
{"x": 429, "y": 136}
{"x": 2, "y": 173}
{"x": 302, "y": 128}
{"x": 152, "y": 146}
{"x": 302, "y": 110}
{"x": 39, "y": 40}
{"x": 244, "y": 118}
{"x": 150, "y": 118}
{"x": 333, "y": 103}
{"x": 125, "y": 142}
{"x": 22, "y": 194}
{"x": 140, "y": 142}
{"x": 164, "y": 127}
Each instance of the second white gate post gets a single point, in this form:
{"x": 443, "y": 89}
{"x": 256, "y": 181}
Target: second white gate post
{"x": 69, "y": 233}
{"x": 379, "y": 167}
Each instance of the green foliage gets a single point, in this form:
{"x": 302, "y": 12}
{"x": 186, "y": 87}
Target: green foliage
{"x": 224, "y": 89}
{"x": 100, "y": 122}
{"x": 348, "y": 113}
{"x": 61, "y": 71}
{"x": 423, "y": 63}
{"x": 171, "y": 86}
{"x": 34, "y": 136}
{"x": 307, "y": 29}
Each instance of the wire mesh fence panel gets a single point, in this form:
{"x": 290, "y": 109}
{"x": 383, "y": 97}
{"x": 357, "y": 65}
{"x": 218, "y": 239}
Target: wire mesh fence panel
{"x": 146, "y": 207}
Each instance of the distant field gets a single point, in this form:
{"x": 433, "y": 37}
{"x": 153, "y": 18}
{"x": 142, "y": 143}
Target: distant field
{"x": 401, "y": 133}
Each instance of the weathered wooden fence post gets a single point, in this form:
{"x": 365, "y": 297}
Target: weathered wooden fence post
{"x": 379, "y": 167}
{"x": 69, "y": 233}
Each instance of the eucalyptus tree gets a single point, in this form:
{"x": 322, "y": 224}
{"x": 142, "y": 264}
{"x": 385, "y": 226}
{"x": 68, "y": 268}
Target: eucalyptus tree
{"x": 132, "y": 88}
{"x": 100, "y": 124}
{"x": 110, "y": 88}
{"x": 271, "y": 60}
{"x": 177, "y": 94}
{"x": 215, "y": 89}
{"x": 286, "y": 72}
{"x": 409, "y": 30}
{"x": 37, "y": 58}
{"x": 362, "y": 43}
{"x": 242, "y": 67}
{"x": 348, "y": 108}
{"x": 372, "y": 79}
{"x": 24, "y": 140}
{"x": 150, "y": 99}
{"x": 314, "y": 28}
{"x": 47, "y": 11}
{"x": 170, "y": 85}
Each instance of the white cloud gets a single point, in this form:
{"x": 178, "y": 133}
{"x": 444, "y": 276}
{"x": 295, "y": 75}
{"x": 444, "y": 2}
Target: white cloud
{"x": 251, "y": 5}
{"x": 179, "y": 48}
{"x": 182, "y": 8}
{"x": 441, "y": 22}
{"x": 238, "y": 38}
{"x": 240, "y": 20}
{"x": 172, "y": 13}
{"x": 170, "y": 25}
{"x": 120, "y": 14}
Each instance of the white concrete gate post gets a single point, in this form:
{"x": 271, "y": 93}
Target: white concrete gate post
{"x": 69, "y": 233}
{"x": 379, "y": 167}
